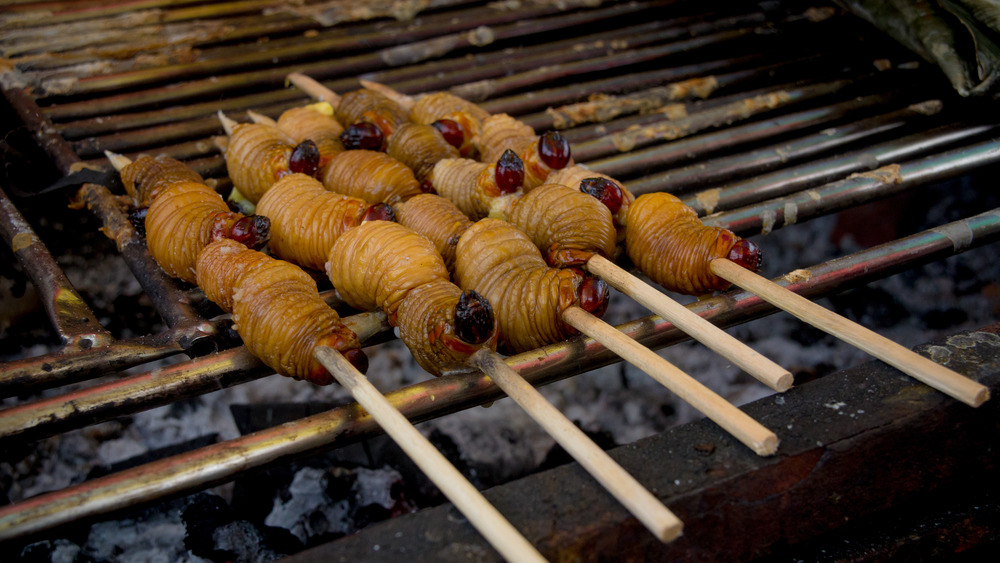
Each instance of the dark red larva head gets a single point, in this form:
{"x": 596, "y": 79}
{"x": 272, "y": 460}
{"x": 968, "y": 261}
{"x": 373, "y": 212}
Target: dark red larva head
{"x": 427, "y": 187}
{"x": 747, "y": 254}
{"x": 474, "y": 322}
{"x": 594, "y": 296}
{"x": 553, "y": 149}
{"x": 363, "y": 136}
{"x": 380, "y": 212}
{"x": 253, "y": 231}
{"x": 509, "y": 172}
{"x": 357, "y": 358}
{"x": 451, "y": 131}
{"x": 304, "y": 158}
{"x": 138, "y": 219}
{"x": 607, "y": 192}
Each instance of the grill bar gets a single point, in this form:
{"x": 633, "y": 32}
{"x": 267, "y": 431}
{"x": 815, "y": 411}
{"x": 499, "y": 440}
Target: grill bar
{"x": 214, "y": 464}
{"x": 801, "y": 177}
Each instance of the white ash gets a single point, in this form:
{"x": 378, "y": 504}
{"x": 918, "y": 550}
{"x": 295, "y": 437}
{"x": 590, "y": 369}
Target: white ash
{"x": 244, "y": 540}
{"x": 157, "y": 538}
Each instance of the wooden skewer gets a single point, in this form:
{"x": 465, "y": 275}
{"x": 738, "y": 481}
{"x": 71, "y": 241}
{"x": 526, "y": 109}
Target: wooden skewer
{"x": 903, "y": 359}
{"x": 261, "y": 118}
{"x": 751, "y": 361}
{"x": 483, "y": 515}
{"x": 313, "y": 88}
{"x": 639, "y": 501}
{"x": 406, "y": 102}
{"x": 747, "y": 430}
{"x": 227, "y": 123}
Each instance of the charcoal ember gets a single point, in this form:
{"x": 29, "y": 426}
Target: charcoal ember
{"x": 54, "y": 551}
{"x": 871, "y": 307}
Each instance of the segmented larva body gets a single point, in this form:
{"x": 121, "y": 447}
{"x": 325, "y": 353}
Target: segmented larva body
{"x": 666, "y": 240}
{"x": 469, "y": 184}
{"x": 497, "y": 260}
{"x": 277, "y": 309}
{"x": 306, "y": 219}
{"x": 541, "y": 155}
{"x": 574, "y": 175}
{"x": 183, "y": 218}
{"x": 257, "y": 156}
{"x": 371, "y": 107}
{"x": 375, "y": 267}
{"x": 314, "y": 122}
{"x": 442, "y": 105}
{"x": 370, "y": 175}
{"x": 146, "y": 177}
{"x": 420, "y": 147}
{"x": 567, "y": 225}
{"x": 406, "y": 277}
{"x": 437, "y": 219}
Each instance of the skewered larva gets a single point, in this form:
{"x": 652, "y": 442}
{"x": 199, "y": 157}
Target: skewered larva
{"x": 306, "y": 219}
{"x": 457, "y": 119}
{"x": 185, "y": 217}
{"x": 145, "y": 177}
{"x": 666, "y": 240}
{"x": 541, "y": 154}
{"x": 478, "y": 188}
{"x": 277, "y": 310}
{"x": 404, "y": 276}
{"x": 370, "y": 175}
{"x": 568, "y": 226}
{"x": 258, "y": 155}
{"x": 368, "y": 106}
{"x": 420, "y": 147}
{"x": 609, "y": 191}
{"x": 497, "y": 260}
{"x": 437, "y": 219}
{"x": 314, "y": 122}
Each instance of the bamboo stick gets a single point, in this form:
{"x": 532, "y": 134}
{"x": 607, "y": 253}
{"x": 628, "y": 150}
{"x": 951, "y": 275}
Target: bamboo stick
{"x": 754, "y": 363}
{"x": 907, "y": 361}
{"x": 747, "y": 430}
{"x": 639, "y": 501}
{"x": 483, "y": 515}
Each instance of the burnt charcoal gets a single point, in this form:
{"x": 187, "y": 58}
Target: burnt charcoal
{"x": 558, "y": 456}
{"x": 808, "y": 335}
{"x": 871, "y": 307}
{"x": 944, "y": 318}
{"x": 255, "y": 417}
{"x": 214, "y": 533}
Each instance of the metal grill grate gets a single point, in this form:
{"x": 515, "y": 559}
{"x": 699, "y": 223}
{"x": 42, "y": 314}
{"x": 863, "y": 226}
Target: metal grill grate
{"x": 742, "y": 109}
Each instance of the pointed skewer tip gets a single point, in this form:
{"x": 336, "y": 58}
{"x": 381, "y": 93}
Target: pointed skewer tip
{"x": 119, "y": 161}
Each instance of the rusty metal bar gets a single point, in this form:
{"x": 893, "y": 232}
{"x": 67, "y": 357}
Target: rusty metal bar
{"x": 73, "y": 320}
{"x": 171, "y": 303}
{"x": 348, "y": 66}
{"x": 669, "y": 129}
{"x": 217, "y": 463}
{"x": 798, "y": 178}
{"x": 687, "y": 149}
{"x": 857, "y": 188}
{"x": 761, "y": 160}
{"x": 407, "y": 35}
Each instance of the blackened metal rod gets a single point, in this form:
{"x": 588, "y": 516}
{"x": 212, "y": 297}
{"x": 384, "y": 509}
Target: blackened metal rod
{"x": 342, "y": 66}
{"x": 687, "y": 149}
{"x": 857, "y": 188}
{"x": 74, "y": 322}
{"x": 404, "y": 34}
{"x": 758, "y": 161}
{"x": 170, "y": 302}
{"x": 670, "y": 129}
{"x": 816, "y": 173}
{"x": 211, "y": 465}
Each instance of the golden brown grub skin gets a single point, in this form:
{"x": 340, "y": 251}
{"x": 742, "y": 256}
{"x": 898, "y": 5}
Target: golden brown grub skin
{"x": 436, "y": 218}
{"x": 568, "y": 226}
{"x": 370, "y": 175}
{"x": 306, "y": 219}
